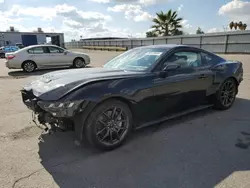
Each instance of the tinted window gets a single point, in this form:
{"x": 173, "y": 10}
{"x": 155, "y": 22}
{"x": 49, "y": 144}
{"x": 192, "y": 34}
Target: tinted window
{"x": 185, "y": 59}
{"x": 55, "y": 50}
{"x": 36, "y": 50}
{"x": 210, "y": 59}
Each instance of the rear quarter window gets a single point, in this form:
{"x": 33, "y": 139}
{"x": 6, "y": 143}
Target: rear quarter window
{"x": 210, "y": 59}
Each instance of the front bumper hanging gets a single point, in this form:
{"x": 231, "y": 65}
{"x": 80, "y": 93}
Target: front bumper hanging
{"x": 43, "y": 119}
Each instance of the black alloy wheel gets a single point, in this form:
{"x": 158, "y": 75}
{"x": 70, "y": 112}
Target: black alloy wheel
{"x": 226, "y": 95}
{"x": 110, "y": 124}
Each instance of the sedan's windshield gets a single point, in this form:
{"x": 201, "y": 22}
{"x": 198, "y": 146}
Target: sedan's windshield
{"x": 138, "y": 59}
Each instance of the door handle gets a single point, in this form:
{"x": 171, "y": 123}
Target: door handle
{"x": 202, "y": 76}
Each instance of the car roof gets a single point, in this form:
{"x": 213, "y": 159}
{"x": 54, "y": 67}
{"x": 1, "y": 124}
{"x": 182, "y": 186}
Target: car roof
{"x": 42, "y": 45}
{"x": 164, "y": 46}
{"x": 167, "y": 46}
{"x": 172, "y": 46}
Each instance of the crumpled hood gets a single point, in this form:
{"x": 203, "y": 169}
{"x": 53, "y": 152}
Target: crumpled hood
{"x": 63, "y": 81}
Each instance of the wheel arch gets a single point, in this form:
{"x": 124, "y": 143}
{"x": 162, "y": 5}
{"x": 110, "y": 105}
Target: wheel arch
{"x": 119, "y": 98}
{"x": 236, "y": 81}
{"x": 82, "y": 118}
{"x": 78, "y": 57}
{"x": 28, "y": 61}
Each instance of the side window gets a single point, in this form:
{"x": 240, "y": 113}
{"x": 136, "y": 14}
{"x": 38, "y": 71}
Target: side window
{"x": 55, "y": 50}
{"x": 36, "y": 50}
{"x": 210, "y": 59}
{"x": 185, "y": 59}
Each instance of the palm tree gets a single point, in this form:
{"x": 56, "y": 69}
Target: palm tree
{"x": 231, "y": 25}
{"x": 178, "y": 32}
{"x": 235, "y": 25}
{"x": 240, "y": 25}
{"x": 151, "y": 34}
{"x": 244, "y": 26}
{"x": 167, "y": 23}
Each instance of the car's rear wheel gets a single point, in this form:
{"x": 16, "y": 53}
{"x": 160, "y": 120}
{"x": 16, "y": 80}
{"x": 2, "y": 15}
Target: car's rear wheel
{"x": 226, "y": 95}
{"x": 108, "y": 125}
{"x": 29, "y": 66}
{"x": 2, "y": 55}
{"x": 79, "y": 63}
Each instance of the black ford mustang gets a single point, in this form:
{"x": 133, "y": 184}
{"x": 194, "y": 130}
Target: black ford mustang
{"x": 140, "y": 87}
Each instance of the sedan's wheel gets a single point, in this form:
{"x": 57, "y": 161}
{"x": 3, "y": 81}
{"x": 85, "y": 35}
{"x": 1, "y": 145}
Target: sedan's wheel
{"x": 79, "y": 63}
{"x": 29, "y": 66}
{"x": 2, "y": 55}
{"x": 109, "y": 125}
{"x": 226, "y": 95}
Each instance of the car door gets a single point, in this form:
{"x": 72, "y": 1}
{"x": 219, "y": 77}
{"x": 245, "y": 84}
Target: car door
{"x": 184, "y": 87}
{"x": 39, "y": 56}
{"x": 57, "y": 56}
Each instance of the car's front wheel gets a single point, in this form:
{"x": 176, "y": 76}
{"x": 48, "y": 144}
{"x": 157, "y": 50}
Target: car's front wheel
{"x": 226, "y": 95}
{"x": 79, "y": 63}
{"x": 108, "y": 125}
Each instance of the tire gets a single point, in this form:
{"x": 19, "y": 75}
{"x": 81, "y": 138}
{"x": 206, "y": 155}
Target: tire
{"x": 79, "y": 63}
{"x": 29, "y": 66}
{"x": 225, "y": 96}
{"x": 101, "y": 128}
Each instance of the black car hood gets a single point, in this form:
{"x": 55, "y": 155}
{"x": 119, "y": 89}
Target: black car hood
{"x": 59, "y": 83}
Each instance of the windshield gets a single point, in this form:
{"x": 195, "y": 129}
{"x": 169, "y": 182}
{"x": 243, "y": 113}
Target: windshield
{"x": 138, "y": 59}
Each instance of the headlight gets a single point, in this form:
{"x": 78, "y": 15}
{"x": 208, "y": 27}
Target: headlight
{"x": 56, "y": 105}
{"x": 60, "y": 109}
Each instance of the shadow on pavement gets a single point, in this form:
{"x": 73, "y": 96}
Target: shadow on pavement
{"x": 38, "y": 72}
{"x": 198, "y": 150}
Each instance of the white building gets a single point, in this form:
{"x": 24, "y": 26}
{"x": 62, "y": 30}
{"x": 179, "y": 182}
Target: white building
{"x": 13, "y": 37}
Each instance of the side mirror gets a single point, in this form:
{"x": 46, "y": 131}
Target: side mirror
{"x": 171, "y": 66}
{"x": 65, "y": 52}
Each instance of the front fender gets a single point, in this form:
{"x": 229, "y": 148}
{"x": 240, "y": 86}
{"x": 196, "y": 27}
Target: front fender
{"x": 98, "y": 91}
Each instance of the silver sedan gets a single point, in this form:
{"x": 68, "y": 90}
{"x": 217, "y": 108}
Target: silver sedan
{"x": 45, "y": 56}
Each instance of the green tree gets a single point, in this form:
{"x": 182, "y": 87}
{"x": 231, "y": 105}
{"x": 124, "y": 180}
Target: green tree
{"x": 151, "y": 34}
{"x": 167, "y": 23}
{"x": 231, "y": 25}
{"x": 240, "y": 25}
{"x": 244, "y": 26}
{"x": 178, "y": 32}
{"x": 199, "y": 31}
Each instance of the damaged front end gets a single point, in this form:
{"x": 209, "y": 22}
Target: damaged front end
{"x": 52, "y": 115}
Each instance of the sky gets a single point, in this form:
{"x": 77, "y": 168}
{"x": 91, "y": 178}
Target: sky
{"x": 117, "y": 18}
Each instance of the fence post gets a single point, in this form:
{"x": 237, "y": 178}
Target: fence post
{"x": 226, "y": 44}
{"x": 153, "y": 41}
{"x": 200, "y": 41}
{"x": 166, "y": 40}
{"x": 181, "y": 40}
